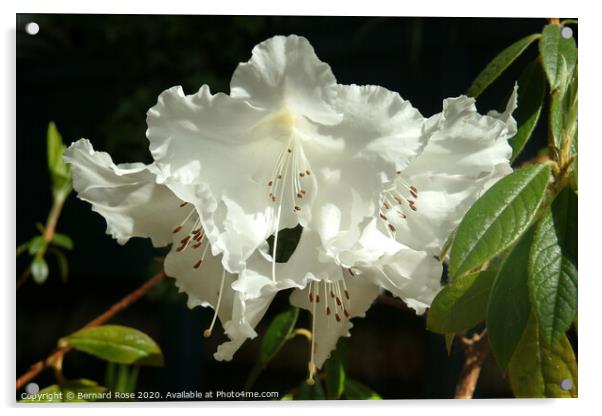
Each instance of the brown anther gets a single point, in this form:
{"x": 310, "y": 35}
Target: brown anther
{"x": 197, "y": 231}
{"x": 198, "y": 237}
{"x": 338, "y": 301}
{"x": 177, "y": 229}
{"x": 270, "y": 183}
{"x": 307, "y": 173}
{"x": 413, "y": 207}
{"x": 347, "y": 294}
{"x": 185, "y": 240}
{"x": 302, "y": 191}
{"x": 302, "y": 174}
{"x": 386, "y": 206}
{"x": 290, "y": 150}
{"x": 402, "y": 215}
{"x": 183, "y": 204}
{"x": 398, "y": 199}
{"x": 273, "y": 198}
{"x": 311, "y": 297}
{"x": 391, "y": 227}
{"x": 198, "y": 264}
{"x": 197, "y": 245}
{"x": 351, "y": 272}
{"x": 398, "y": 172}
{"x": 318, "y": 298}
{"x": 346, "y": 312}
{"x": 299, "y": 195}
{"x": 336, "y": 315}
{"x": 279, "y": 176}
{"x": 413, "y": 188}
{"x": 383, "y": 217}
{"x": 328, "y": 310}
{"x": 331, "y": 294}
{"x": 297, "y": 208}
{"x": 180, "y": 248}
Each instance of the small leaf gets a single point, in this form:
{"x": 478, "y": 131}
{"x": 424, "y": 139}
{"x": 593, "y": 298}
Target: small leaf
{"x": 36, "y": 244}
{"x": 118, "y": 344}
{"x": 553, "y": 48}
{"x": 39, "y": 270}
{"x": 355, "y": 390}
{"x": 63, "y": 241}
{"x": 277, "y": 334}
{"x": 508, "y": 308}
{"x": 553, "y": 267}
{"x": 335, "y": 375}
{"x": 60, "y": 172}
{"x": 461, "y": 304}
{"x": 531, "y": 94}
{"x": 498, "y": 218}
{"x": 313, "y": 392}
{"x": 502, "y": 61}
{"x": 539, "y": 370}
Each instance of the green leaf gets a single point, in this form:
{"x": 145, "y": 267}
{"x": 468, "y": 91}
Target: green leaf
{"x": 498, "y": 218}
{"x": 73, "y": 391}
{"x": 508, "y": 308}
{"x": 277, "y": 334}
{"x": 355, "y": 390}
{"x": 553, "y": 267}
{"x": 62, "y": 262}
{"x": 118, "y": 344}
{"x": 23, "y": 247}
{"x": 335, "y": 375}
{"x": 60, "y": 172}
{"x": 313, "y": 392}
{"x": 63, "y": 241}
{"x": 39, "y": 269}
{"x": 449, "y": 343}
{"x": 531, "y": 93}
{"x": 461, "y": 304}
{"x": 502, "y": 61}
{"x": 553, "y": 49}
{"x": 37, "y": 244}
{"x": 540, "y": 370}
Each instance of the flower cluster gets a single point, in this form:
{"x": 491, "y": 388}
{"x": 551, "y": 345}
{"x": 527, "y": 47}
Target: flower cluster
{"x": 376, "y": 187}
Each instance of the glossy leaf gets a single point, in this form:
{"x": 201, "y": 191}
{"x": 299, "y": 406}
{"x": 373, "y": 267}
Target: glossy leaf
{"x": 553, "y": 267}
{"x": 495, "y": 68}
{"x": 335, "y": 375}
{"x": 118, "y": 344}
{"x": 355, "y": 390}
{"x": 461, "y": 304}
{"x": 63, "y": 241}
{"x": 60, "y": 172}
{"x": 498, "y": 218}
{"x": 531, "y": 94}
{"x": 277, "y": 334}
{"x": 508, "y": 308}
{"x": 39, "y": 270}
{"x": 541, "y": 370}
{"x": 553, "y": 48}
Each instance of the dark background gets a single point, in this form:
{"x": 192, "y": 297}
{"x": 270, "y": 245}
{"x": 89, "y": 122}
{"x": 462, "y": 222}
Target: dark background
{"x": 96, "y": 76}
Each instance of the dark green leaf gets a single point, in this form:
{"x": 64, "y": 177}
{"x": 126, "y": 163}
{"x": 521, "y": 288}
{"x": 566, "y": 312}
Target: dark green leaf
{"x": 36, "y": 244}
{"x": 355, "y": 390}
{"x": 313, "y": 392}
{"x": 63, "y": 241}
{"x": 461, "y": 304}
{"x": 531, "y": 93}
{"x": 118, "y": 344}
{"x": 60, "y": 172}
{"x": 553, "y": 267}
{"x": 39, "y": 270}
{"x": 540, "y": 370}
{"x": 508, "y": 308}
{"x": 498, "y": 218}
{"x": 335, "y": 375}
{"x": 553, "y": 48}
{"x": 495, "y": 68}
{"x": 277, "y": 334}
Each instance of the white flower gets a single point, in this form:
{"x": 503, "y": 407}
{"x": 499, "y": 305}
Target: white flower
{"x": 135, "y": 205}
{"x": 288, "y": 146}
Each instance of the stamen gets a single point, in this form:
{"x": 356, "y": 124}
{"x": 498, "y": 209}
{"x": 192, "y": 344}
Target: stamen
{"x": 183, "y": 204}
{"x": 312, "y": 366}
{"x": 208, "y": 331}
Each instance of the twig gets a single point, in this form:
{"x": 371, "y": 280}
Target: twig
{"x": 475, "y": 350}
{"x": 56, "y": 357}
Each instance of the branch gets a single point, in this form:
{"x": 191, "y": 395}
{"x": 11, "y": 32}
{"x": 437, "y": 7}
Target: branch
{"x": 475, "y": 350}
{"x": 56, "y": 357}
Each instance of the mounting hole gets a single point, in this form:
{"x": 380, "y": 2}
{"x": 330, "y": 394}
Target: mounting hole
{"x": 32, "y": 28}
{"x": 566, "y": 384}
{"x": 566, "y": 32}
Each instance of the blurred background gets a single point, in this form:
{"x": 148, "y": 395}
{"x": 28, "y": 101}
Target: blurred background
{"x": 97, "y": 75}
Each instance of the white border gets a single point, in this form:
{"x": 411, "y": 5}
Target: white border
{"x": 591, "y": 137}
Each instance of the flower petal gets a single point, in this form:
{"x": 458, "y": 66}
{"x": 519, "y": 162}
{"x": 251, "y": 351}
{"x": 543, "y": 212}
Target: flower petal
{"x": 126, "y": 195}
{"x": 327, "y": 329}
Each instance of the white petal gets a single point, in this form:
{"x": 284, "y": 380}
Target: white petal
{"x": 126, "y": 195}
{"x": 287, "y": 70}
{"x": 327, "y": 329}
{"x": 413, "y": 276}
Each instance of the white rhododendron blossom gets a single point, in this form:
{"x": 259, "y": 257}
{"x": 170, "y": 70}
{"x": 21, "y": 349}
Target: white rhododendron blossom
{"x": 135, "y": 205}
{"x": 377, "y": 188}
{"x": 288, "y": 146}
